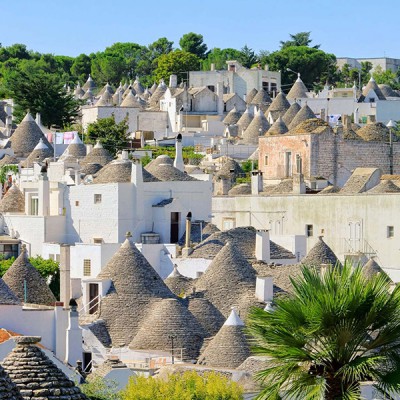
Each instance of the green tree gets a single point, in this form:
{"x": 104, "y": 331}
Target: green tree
{"x": 219, "y": 57}
{"x": 112, "y": 135}
{"x": 81, "y": 67}
{"x": 334, "y": 331}
{"x": 35, "y": 90}
{"x": 177, "y": 62}
{"x": 189, "y": 385}
{"x": 299, "y": 39}
{"x": 147, "y": 64}
{"x": 193, "y": 43}
{"x": 315, "y": 66}
{"x": 247, "y": 57}
{"x": 387, "y": 77}
{"x": 366, "y": 68}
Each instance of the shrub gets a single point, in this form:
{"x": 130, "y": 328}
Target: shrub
{"x": 187, "y": 386}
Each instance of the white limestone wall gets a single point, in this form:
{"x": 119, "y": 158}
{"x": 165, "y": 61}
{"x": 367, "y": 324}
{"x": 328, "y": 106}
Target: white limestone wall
{"x": 86, "y": 220}
{"x": 357, "y": 218}
{"x": 98, "y": 254}
{"x": 34, "y": 322}
{"x": 191, "y": 267}
{"x": 34, "y": 230}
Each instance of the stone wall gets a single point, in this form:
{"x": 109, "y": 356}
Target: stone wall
{"x": 326, "y": 155}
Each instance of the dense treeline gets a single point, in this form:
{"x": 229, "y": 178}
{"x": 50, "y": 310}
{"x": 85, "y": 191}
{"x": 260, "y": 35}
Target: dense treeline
{"x": 36, "y": 80}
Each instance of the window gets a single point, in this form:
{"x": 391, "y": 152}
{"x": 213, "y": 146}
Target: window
{"x": 34, "y": 206}
{"x": 97, "y": 240}
{"x": 265, "y": 160}
{"x": 97, "y": 198}
{"x": 299, "y": 162}
{"x": 51, "y": 257}
{"x": 77, "y": 203}
{"x": 87, "y": 267}
{"x": 232, "y": 67}
{"x": 390, "y": 231}
{"x": 309, "y": 230}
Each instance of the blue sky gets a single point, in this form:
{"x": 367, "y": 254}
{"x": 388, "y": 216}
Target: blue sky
{"x": 353, "y": 28}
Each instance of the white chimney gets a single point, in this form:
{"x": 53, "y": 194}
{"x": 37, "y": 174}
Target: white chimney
{"x": 124, "y": 155}
{"x": 173, "y": 81}
{"x": 220, "y": 98}
{"x": 263, "y": 251}
{"x": 89, "y": 148}
{"x": 136, "y": 172}
{"x": 299, "y": 187}
{"x": 178, "y": 162}
{"x": 38, "y": 119}
{"x": 44, "y": 195}
{"x": 256, "y": 182}
{"x": 212, "y": 67}
{"x": 73, "y": 350}
{"x": 265, "y": 289}
{"x": 65, "y": 273}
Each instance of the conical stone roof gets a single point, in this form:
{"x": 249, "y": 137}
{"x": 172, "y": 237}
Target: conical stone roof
{"x": 8, "y": 389}
{"x": 91, "y": 169}
{"x": 371, "y": 85}
{"x": 386, "y": 186}
{"x": 170, "y": 317}
{"x": 291, "y": 113}
{"x": 258, "y": 127}
{"x": 138, "y": 86}
{"x": 298, "y": 90}
{"x": 304, "y": 114}
{"x": 76, "y": 149}
{"x": 227, "y": 278}
{"x": 7, "y": 297}
{"x": 26, "y": 137}
{"x": 210, "y": 318}
{"x": 178, "y": 283}
{"x": 387, "y": 91}
{"x": 277, "y": 128}
{"x": 98, "y": 155}
{"x": 120, "y": 171}
{"x": 134, "y": 286}
{"x": 153, "y": 88}
{"x": 38, "y": 155}
{"x": 241, "y": 189}
{"x": 128, "y": 90}
{"x": 372, "y": 268}
{"x": 13, "y": 201}
{"x": 229, "y": 348}
{"x": 157, "y": 95}
{"x": 250, "y": 95}
{"x": 88, "y": 95}
{"x": 22, "y": 274}
{"x": 279, "y": 103}
{"x": 261, "y": 98}
{"x": 107, "y": 88}
{"x": 35, "y": 375}
{"x": 320, "y": 254}
{"x": 230, "y": 169}
{"x": 245, "y": 120}
{"x": 79, "y": 92}
{"x": 232, "y": 117}
{"x": 8, "y": 160}
{"x": 89, "y": 84}
{"x": 130, "y": 101}
{"x": 162, "y": 159}
{"x": 167, "y": 172}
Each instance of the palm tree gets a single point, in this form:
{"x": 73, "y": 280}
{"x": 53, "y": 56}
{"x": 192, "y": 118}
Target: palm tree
{"x": 335, "y": 330}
